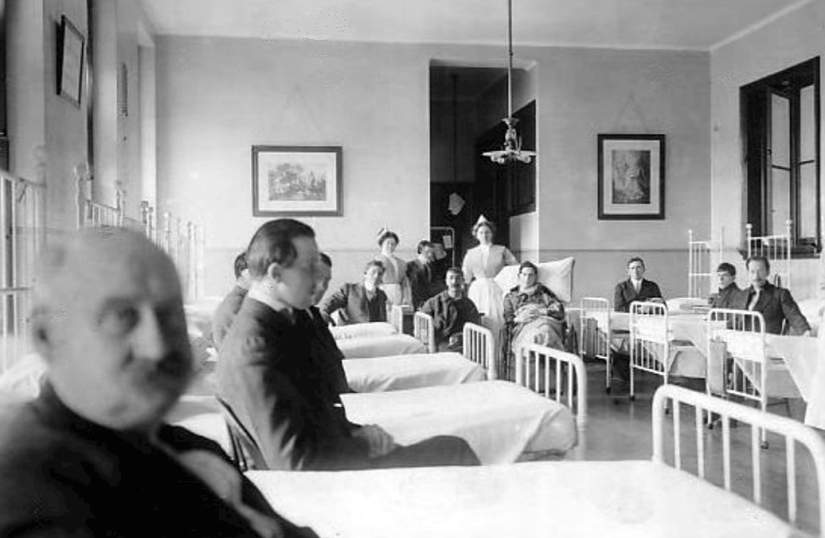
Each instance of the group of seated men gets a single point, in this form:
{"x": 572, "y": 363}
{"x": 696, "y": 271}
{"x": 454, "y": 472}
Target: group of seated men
{"x": 776, "y": 304}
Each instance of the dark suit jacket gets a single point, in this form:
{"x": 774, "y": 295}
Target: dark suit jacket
{"x": 730, "y": 297}
{"x": 352, "y": 301}
{"x": 277, "y": 383}
{"x": 65, "y": 476}
{"x": 450, "y": 315}
{"x": 625, "y": 294}
{"x": 329, "y": 351}
{"x": 776, "y": 305}
{"x": 420, "y": 277}
{"x": 225, "y": 313}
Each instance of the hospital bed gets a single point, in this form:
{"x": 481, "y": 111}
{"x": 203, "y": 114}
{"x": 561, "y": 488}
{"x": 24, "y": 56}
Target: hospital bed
{"x": 701, "y": 272}
{"x": 776, "y": 248}
{"x": 659, "y": 497}
{"x": 417, "y": 370}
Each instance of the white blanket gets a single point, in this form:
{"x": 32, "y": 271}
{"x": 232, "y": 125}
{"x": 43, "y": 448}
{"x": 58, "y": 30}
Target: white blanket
{"x": 401, "y": 372}
{"x": 360, "y": 330}
{"x": 380, "y": 346}
{"x": 500, "y": 420}
{"x": 571, "y": 499}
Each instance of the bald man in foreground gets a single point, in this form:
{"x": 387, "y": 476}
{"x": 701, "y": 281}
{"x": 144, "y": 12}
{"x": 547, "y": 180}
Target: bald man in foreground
{"x": 91, "y": 455}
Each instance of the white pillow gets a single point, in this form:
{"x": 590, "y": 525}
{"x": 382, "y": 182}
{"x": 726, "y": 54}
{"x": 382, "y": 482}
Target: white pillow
{"x": 685, "y": 304}
{"x": 556, "y": 275}
{"x": 23, "y": 379}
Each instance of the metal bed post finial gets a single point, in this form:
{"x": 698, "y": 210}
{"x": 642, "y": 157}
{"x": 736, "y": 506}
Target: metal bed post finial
{"x": 120, "y": 203}
{"x": 748, "y": 236}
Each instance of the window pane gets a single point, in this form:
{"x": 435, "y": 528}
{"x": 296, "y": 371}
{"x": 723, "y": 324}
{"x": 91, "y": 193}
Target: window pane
{"x": 807, "y": 200}
{"x": 806, "y": 123}
{"x": 780, "y": 200}
{"x": 780, "y": 131}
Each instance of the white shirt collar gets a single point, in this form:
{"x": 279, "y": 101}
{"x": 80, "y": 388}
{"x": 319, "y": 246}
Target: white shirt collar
{"x": 262, "y": 292}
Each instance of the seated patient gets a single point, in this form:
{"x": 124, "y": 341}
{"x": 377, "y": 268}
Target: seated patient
{"x": 360, "y": 302}
{"x": 775, "y": 304}
{"x": 450, "y": 310}
{"x": 729, "y": 294}
{"x": 533, "y": 314}
{"x": 91, "y": 455}
{"x": 273, "y": 373}
{"x": 420, "y": 274}
{"x": 635, "y": 288}
{"x": 222, "y": 319}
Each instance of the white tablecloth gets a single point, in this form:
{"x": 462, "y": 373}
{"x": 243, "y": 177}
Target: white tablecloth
{"x": 380, "y": 346}
{"x": 615, "y": 499}
{"x": 498, "y": 419}
{"x": 359, "y": 330}
{"x": 401, "y": 372}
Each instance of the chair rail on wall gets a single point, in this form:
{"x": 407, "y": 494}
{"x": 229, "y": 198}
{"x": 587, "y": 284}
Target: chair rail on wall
{"x": 23, "y": 222}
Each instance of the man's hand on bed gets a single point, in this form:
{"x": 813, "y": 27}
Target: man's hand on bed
{"x": 380, "y": 442}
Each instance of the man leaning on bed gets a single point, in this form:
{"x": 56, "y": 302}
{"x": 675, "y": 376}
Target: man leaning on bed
{"x": 91, "y": 455}
{"x": 274, "y": 378}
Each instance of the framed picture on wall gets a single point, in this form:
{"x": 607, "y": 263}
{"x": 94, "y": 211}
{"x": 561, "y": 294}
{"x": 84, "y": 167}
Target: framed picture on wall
{"x": 296, "y": 180}
{"x": 70, "y": 50}
{"x": 631, "y": 171}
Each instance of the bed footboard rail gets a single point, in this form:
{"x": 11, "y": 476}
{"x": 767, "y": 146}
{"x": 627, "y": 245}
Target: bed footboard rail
{"x": 794, "y": 433}
{"x": 535, "y": 362}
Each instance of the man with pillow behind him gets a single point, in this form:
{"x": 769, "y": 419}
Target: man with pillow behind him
{"x": 91, "y": 455}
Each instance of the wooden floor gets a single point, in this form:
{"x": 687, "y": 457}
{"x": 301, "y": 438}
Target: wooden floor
{"x": 618, "y": 429}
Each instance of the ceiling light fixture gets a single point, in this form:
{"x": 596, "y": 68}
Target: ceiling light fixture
{"x": 511, "y": 150}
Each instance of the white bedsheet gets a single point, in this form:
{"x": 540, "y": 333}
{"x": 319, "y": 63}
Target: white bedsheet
{"x": 380, "y": 346}
{"x": 570, "y": 499}
{"x": 412, "y": 371}
{"x": 360, "y": 330}
{"x": 499, "y": 419}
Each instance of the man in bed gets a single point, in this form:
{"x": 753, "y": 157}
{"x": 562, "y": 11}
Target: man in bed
{"x": 225, "y": 313}
{"x": 91, "y": 455}
{"x": 359, "y": 302}
{"x": 776, "y": 304}
{"x": 272, "y": 375}
{"x": 450, "y": 310}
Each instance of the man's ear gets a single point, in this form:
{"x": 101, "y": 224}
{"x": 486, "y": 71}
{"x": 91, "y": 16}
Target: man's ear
{"x": 274, "y": 271}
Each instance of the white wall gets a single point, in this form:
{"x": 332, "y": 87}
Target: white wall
{"x": 794, "y": 38}
{"x": 218, "y": 97}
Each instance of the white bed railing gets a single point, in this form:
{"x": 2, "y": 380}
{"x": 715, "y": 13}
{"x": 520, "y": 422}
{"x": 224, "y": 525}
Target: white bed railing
{"x": 595, "y": 334}
{"x": 22, "y": 238}
{"x": 534, "y": 363}
{"x": 700, "y": 264}
{"x": 477, "y": 345}
{"x": 397, "y": 318}
{"x": 793, "y": 432}
{"x": 649, "y": 341}
{"x": 423, "y": 330}
{"x": 182, "y": 241}
{"x": 776, "y": 248}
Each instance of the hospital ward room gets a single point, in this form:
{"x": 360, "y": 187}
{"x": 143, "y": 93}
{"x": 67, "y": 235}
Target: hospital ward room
{"x": 369, "y": 269}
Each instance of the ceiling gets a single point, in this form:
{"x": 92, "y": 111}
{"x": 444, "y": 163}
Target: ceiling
{"x": 665, "y": 24}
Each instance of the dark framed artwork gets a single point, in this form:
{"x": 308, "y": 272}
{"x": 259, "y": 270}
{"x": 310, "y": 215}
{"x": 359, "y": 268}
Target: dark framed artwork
{"x": 631, "y": 170}
{"x": 296, "y": 180}
{"x": 70, "y": 51}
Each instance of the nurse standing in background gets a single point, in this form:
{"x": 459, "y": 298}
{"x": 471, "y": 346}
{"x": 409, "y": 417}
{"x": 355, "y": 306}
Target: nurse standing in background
{"x": 395, "y": 283}
{"x": 481, "y": 265}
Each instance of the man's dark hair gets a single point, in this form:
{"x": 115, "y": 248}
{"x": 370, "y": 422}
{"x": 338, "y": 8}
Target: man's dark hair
{"x": 374, "y": 263}
{"x": 273, "y": 243}
{"x": 636, "y": 259}
{"x": 456, "y": 270}
{"x": 759, "y": 258}
{"x": 423, "y": 244}
{"x": 726, "y": 267}
{"x": 240, "y": 264}
{"x": 530, "y": 265}
{"x": 326, "y": 260}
